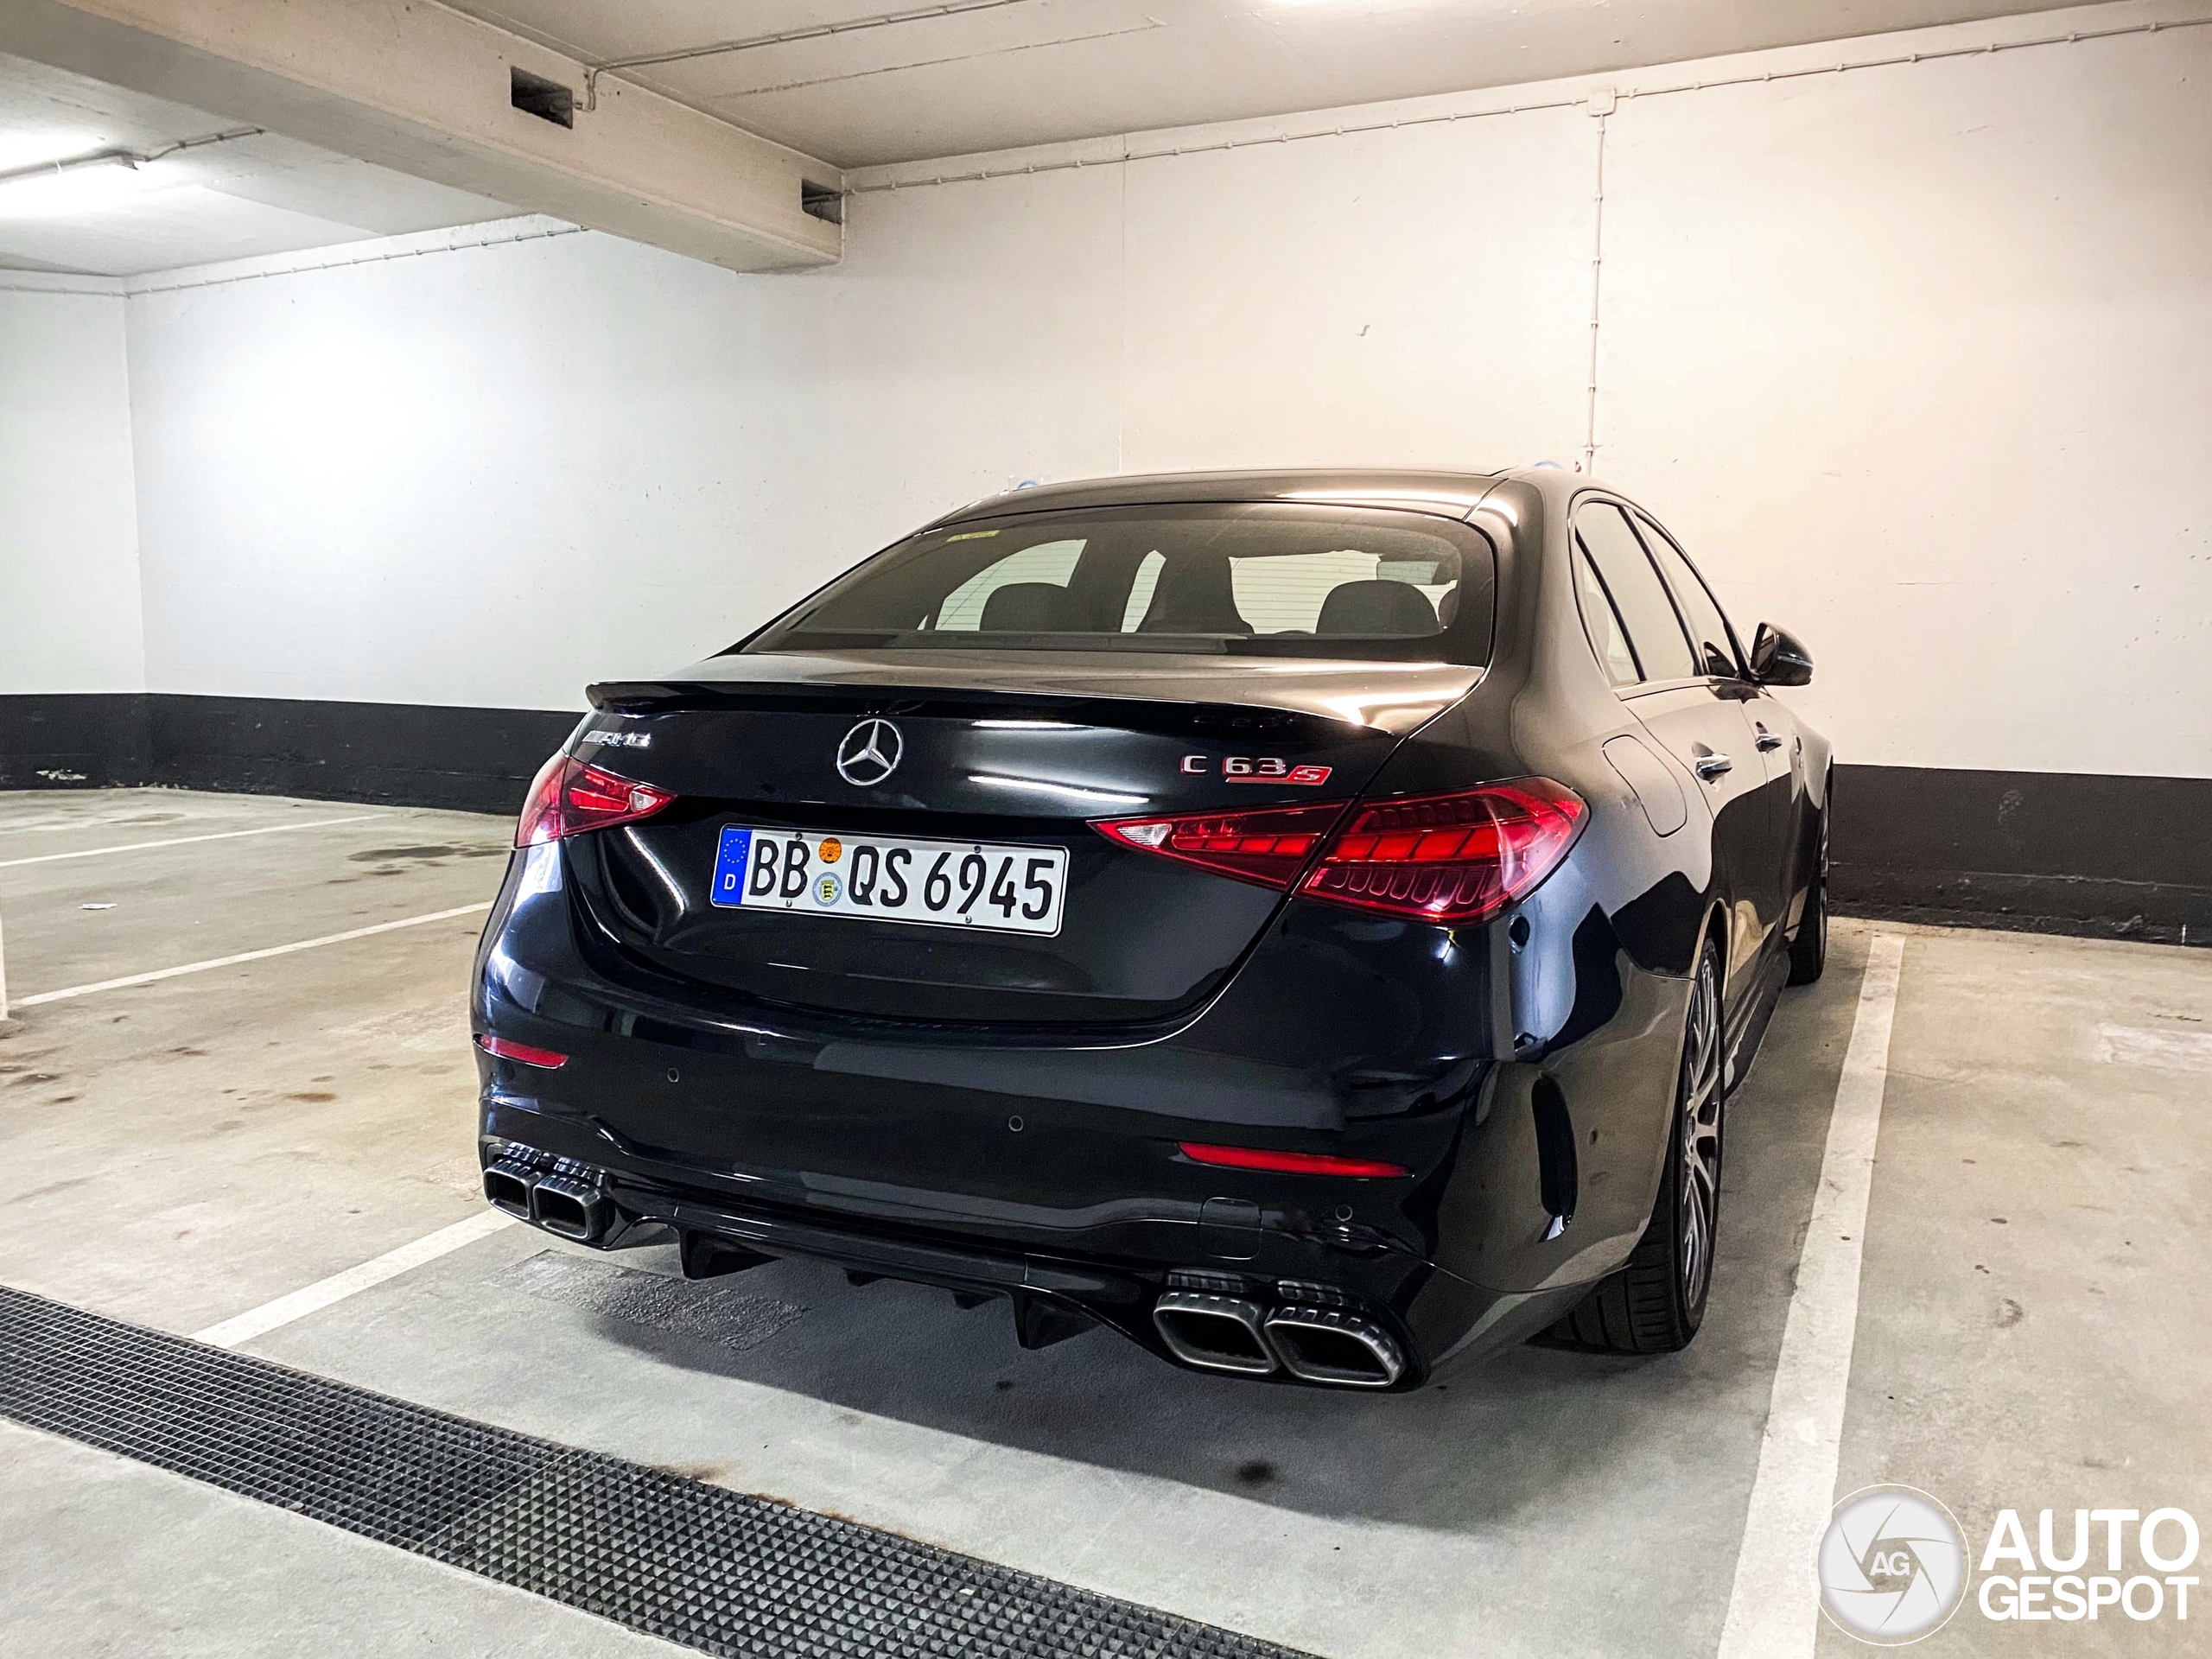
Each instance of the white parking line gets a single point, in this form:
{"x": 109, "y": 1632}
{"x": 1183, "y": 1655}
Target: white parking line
{"x": 247, "y": 956}
{"x": 49, "y": 826}
{"x": 1773, "y": 1611}
{"x": 245, "y": 1328}
{"x": 186, "y": 841}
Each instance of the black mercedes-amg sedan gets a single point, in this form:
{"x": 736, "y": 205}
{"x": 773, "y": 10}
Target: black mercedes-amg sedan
{"x": 1310, "y": 922}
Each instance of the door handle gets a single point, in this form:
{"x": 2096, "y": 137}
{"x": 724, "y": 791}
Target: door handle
{"x": 1769, "y": 742}
{"x": 1710, "y": 766}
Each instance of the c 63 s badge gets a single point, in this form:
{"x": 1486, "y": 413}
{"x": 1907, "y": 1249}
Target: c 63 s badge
{"x": 1255, "y": 769}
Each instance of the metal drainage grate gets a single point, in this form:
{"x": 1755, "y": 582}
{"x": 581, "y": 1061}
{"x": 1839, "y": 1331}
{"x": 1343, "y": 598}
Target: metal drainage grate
{"x": 712, "y": 1569}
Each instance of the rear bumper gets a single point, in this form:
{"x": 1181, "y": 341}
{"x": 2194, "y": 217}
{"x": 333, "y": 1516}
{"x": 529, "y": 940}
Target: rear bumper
{"x": 1048, "y": 1172}
{"x": 1317, "y": 1315}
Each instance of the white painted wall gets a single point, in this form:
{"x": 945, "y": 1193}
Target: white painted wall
{"x": 69, "y": 599}
{"x": 1918, "y": 359}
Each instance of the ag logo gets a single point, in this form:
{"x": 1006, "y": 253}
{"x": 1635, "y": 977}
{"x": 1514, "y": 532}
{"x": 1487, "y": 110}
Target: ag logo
{"x": 1893, "y": 1564}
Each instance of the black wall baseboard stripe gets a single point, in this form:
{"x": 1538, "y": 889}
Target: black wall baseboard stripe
{"x": 2082, "y": 853}
{"x": 399, "y": 754}
{"x": 79, "y": 742}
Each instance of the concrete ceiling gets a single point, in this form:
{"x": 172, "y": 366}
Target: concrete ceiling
{"x": 997, "y": 74}
{"x": 868, "y": 81}
{"x": 226, "y": 200}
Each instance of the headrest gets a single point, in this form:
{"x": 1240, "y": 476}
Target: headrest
{"x": 1394, "y": 607}
{"x": 1031, "y": 607}
{"x": 1196, "y": 597}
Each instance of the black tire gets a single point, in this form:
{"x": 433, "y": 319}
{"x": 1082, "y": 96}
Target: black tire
{"x": 1808, "y": 951}
{"x": 1655, "y": 1303}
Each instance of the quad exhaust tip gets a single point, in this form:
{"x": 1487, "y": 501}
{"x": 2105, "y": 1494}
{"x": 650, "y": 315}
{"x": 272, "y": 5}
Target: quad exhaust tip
{"x": 506, "y": 1186}
{"x": 1332, "y": 1346}
{"x": 1327, "y": 1344}
{"x": 1214, "y": 1333}
{"x": 571, "y": 1209}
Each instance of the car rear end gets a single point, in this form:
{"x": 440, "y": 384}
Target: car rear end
{"x": 1107, "y": 949}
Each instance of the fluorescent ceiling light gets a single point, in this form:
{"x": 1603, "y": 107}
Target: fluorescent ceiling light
{"x": 87, "y": 181}
{"x": 43, "y": 147}
{"x": 82, "y": 188}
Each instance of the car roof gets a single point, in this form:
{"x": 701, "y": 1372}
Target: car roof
{"x": 1447, "y": 494}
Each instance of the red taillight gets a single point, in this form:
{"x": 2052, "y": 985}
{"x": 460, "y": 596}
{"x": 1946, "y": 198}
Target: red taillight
{"x": 1270, "y": 846}
{"x": 1288, "y": 1163}
{"x": 523, "y": 1052}
{"x": 1451, "y": 858}
{"x": 566, "y": 797}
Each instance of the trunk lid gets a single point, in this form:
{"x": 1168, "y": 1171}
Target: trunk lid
{"x": 1020, "y": 754}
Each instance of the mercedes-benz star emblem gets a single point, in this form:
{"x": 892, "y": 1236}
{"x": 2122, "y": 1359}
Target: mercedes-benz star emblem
{"x": 870, "y": 752}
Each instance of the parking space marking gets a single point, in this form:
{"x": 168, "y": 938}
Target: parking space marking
{"x": 2186, "y": 1051}
{"x": 1773, "y": 1611}
{"x": 50, "y": 826}
{"x": 130, "y": 980}
{"x": 186, "y": 841}
{"x": 258, "y": 1321}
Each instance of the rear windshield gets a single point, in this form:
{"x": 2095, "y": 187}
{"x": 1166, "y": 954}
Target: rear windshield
{"x": 1261, "y": 580}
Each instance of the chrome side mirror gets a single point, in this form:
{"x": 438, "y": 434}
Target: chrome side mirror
{"x": 1779, "y": 659}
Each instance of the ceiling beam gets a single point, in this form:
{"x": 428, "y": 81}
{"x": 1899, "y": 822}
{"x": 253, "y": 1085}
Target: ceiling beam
{"x": 408, "y": 85}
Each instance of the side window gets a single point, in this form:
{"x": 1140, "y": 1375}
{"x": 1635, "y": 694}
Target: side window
{"x": 1607, "y": 637}
{"x": 1709, "y": 629}
{"x": 1654, "y": 630}
{"x": 1050, "y": 563}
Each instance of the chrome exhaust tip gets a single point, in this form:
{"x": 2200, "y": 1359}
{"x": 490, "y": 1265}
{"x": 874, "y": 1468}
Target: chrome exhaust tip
{"x": 506, "y": 1186}
{"x": 1327, "y": 1344}
{"x": 569, "y": 1208}
{"x": 1214, "y": 1333}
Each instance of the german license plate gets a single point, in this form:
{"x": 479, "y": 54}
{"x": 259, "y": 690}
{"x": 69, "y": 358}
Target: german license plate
{"x": 979, "y": 883}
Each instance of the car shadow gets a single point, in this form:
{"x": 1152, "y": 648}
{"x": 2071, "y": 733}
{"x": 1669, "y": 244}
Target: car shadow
{"x": 1482, "y": 1445}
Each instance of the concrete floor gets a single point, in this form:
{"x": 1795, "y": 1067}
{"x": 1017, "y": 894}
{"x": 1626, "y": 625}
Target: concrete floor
{"x": 2028, "y": 1332}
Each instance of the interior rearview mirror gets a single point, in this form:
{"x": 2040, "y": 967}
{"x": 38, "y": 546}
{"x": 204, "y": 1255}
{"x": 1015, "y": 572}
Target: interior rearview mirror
{"x": 1779, "y": 659}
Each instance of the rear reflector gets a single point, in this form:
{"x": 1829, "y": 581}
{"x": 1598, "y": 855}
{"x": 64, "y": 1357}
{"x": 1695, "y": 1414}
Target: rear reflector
{"x": 1452, "y": 859}
{"x": 568, "y": 797}
{"x": 523, "y": 1054}
{"x": 1286, "y": 1163}
{"x": 1269, "y": 846}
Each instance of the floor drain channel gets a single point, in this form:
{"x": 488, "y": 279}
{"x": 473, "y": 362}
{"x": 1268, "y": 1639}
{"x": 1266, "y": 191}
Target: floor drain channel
{"x": 693, "y": 1564}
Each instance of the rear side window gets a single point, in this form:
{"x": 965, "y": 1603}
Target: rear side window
{"x": 1607, "y": 637}
{"x": 1655, "y": 632}
{"x": 1257, "y": 578}
{"x": 1715, "y": 642}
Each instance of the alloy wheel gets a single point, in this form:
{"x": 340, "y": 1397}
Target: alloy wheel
{"x": 1700, "y": 1140}
{"x": 1823, "y": 879}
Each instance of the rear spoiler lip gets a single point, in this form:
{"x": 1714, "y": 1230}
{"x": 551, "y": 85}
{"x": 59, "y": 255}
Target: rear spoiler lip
{"x": 1396, "y": 715}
